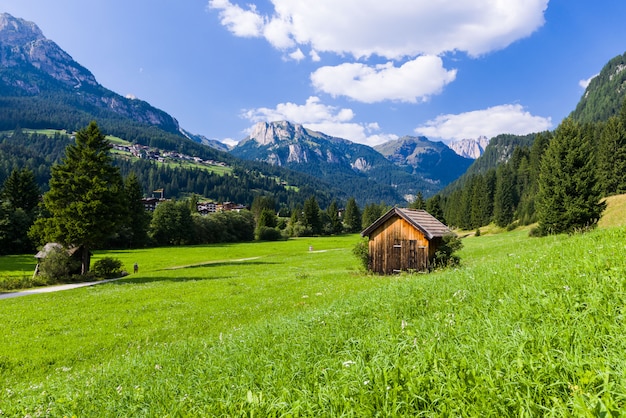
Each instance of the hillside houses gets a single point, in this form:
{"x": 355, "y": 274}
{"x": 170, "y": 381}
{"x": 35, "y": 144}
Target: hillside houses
{"x": 203, "y": 208}
{"x": 153, "y": 154}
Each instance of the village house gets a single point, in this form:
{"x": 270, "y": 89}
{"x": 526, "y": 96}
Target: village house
{"x": 403, "y": 240}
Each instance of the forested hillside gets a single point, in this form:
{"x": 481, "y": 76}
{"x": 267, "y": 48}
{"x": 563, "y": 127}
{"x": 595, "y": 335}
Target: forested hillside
{"x": 504, "y": 184}
{"x": 38, "y": 152}
{"x": 605, "y": 93}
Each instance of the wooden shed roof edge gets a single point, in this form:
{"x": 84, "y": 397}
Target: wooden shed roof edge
{"x": 430, "y": 226}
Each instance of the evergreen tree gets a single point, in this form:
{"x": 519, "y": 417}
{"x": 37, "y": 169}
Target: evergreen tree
{"x": 311, "y": 216}
{"x": 569, "y": 196}
{"x": 20, "y": 190}
{"x": 138, "y": 218}
{"x": 612, "y": 155}
{"x": 86, "y": 198}
{"x": 481, "y": 203}
{"x": 433, "y": 206}
{"x": 504, "y": 200}
{"x": 372, "y": 212}
{"x": 19, "y": 199}
{"x": 334, "y": 223}
{"x": 260, "y": 203}
{"x": 352, "y": 217}
{"x": 419, "y": 202}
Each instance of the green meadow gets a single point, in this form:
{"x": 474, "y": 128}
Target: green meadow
{"x": 524, "y": 327}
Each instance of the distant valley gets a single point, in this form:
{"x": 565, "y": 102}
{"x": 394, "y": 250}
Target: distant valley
{"x": 42, "y": 87}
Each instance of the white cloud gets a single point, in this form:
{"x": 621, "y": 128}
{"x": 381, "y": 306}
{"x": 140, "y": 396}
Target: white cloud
{"x": 412, "y": 33}
{"x": 230, "y": 142}
{"x": 244, "y": 23}
{"x": 414, "y": 81}
{"x": 391, "y": 29}
{"x": 322, "y": 118}
{"x": 503, "y": 119}
{"x": 297, "y": 55}
{"x": 585, "y": 83}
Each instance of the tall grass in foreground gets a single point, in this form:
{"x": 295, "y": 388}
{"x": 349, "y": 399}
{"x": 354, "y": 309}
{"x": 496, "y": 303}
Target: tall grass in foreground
{"x": 527, "y": 327}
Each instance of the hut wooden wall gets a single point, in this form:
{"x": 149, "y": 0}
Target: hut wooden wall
{"x": 397, "y": 245}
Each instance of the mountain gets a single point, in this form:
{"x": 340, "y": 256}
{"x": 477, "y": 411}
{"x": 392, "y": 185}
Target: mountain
{"x": 605, "y": 93}
{"x": 433, "y": 161}
{"x": 32, "y": 66}
{"x": 42, "y": 87}
{"x": 470, "y": 148}
{"x": 201, "y": 139}
{"x": 355, "y": 168}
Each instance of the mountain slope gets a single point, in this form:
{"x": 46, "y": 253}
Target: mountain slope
{"x": 42, "y": 87}
{"x": 433, "y": 161}
{"x": 32, "y": 66}
{"x": 605, "y": 93}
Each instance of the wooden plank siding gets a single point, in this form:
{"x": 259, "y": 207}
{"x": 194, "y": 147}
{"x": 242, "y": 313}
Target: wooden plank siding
{"x": 403, "y": 240}
{"x": 397, "y": 246}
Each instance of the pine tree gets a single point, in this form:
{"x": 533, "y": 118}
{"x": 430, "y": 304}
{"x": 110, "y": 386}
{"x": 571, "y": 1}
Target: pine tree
{"x": 20, "y": 190}
{"x": 138, "y": 219}
{"x": 86, "y": 199}
{"x": 419, "y": 202}
{"x": 504, "y": 200}
{"x": 433, "y": 206}
{"x": 569, "y": 196}
{"x": 311, "y": 215}
{"x": 332, "y": 212}
{"x": 481, "y": 203}
{"x": 612, "y": 155}
{"x": 352, "y": 217}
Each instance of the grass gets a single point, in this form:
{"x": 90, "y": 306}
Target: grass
{"x": 526, "y": 327}
{"x": 615, "y": 213}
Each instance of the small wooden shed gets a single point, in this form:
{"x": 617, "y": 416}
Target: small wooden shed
{"x": 403, "y": 240}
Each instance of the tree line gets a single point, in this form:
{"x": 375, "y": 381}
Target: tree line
{"x": 558, "y": 180}
{"x": 90, "y": 204}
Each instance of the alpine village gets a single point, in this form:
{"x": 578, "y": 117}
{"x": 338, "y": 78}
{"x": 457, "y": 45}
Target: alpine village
{"x": 300, "y": 274}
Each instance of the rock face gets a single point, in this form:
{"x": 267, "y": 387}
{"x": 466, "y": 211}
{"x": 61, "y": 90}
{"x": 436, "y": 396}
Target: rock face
{"x": 470, "y": 148}
{"x": 23, "y": 43}
{"x": 32, "y": 65}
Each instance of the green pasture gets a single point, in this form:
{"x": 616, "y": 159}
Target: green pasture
{"x": 525, "y": 327}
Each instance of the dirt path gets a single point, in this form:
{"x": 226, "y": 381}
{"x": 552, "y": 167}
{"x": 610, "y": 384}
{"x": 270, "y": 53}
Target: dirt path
{"x": 49, "y": 289}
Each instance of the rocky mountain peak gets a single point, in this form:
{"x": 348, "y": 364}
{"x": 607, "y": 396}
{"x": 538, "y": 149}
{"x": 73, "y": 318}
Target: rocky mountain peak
{"x": 470, "y": 148}
{"x": 17, "y": 32}
{"x": 272, "y": 133}
{"x": 24, "y": 44}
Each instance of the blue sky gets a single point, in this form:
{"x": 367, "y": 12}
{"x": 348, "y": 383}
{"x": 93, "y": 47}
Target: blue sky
{"x": 365, "y": 70}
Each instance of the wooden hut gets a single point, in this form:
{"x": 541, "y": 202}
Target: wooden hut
{"x": 403, "y": 240}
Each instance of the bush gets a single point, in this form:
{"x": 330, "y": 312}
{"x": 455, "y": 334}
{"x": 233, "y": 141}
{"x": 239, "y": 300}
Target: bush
{"x": 362, "y": 252}
{"x": 107, "y": 268}
{"x": 444, "y": 256}
{"x": 58, "y": 266}
{"x": 265, "y": 233}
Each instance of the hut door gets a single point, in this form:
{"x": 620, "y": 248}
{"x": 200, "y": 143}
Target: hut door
{"x": 396, "y": 256}
{"x": 417, "y": 258}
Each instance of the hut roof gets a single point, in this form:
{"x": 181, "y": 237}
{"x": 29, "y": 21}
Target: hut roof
{"x": 47, "y": 249}
{"x": 430, "y": 226}
{"x": 52, "y": 246}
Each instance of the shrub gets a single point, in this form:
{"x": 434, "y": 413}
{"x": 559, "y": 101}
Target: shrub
{"x": 107, "y": 268}
{"x": 265, "y": 233}
{"x": 444, "y": 256}
{"x": 361, "y": 251}
{"x": 58, "y": 266}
